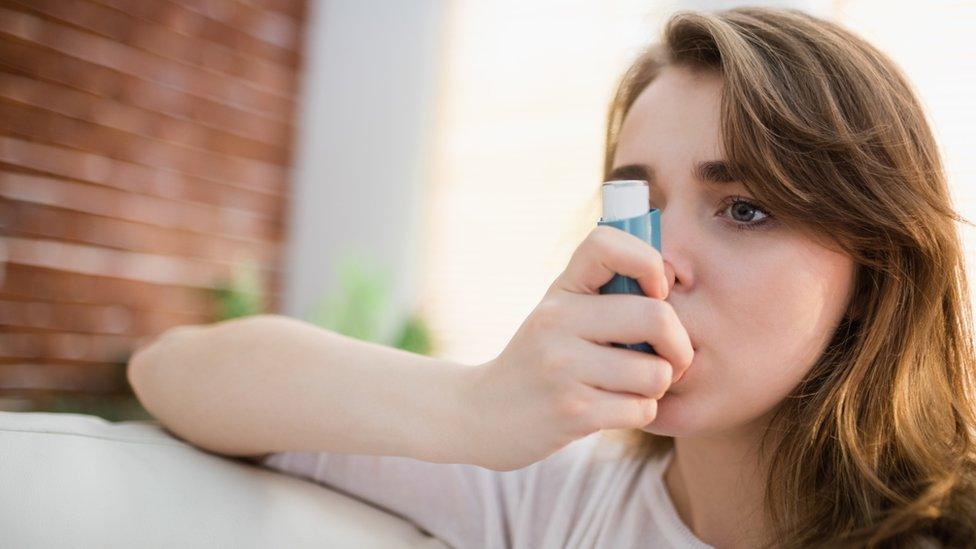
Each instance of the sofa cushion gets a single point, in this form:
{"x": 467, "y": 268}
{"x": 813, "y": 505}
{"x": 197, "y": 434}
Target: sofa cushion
{"x": 75, "y": 480}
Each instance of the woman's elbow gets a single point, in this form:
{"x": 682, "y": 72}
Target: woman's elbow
{"x": 166, "y": 350}
{"x": 185, "y": 344}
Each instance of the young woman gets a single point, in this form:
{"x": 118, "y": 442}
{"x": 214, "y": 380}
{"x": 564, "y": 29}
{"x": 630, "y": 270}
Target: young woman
{"x": 810, "y": 311}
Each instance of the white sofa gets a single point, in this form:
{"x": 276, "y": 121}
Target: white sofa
{"x": 75, "y": 480}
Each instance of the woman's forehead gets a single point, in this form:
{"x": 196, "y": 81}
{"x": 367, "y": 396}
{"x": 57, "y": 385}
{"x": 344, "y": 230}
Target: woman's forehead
{"x": 676, "y": 116}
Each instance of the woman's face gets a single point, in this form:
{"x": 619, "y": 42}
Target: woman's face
{"x": 759, "y": 304}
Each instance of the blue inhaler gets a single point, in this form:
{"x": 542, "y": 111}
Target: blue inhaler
{"x": 626, "y": 207}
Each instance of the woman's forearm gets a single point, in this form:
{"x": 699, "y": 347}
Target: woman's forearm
{"x": 271, "y": 383}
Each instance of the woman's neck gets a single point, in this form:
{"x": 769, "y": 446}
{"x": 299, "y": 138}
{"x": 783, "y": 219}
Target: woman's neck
{"x": 717, "y": 486}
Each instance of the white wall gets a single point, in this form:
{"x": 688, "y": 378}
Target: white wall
{"x": 364, "y": 124}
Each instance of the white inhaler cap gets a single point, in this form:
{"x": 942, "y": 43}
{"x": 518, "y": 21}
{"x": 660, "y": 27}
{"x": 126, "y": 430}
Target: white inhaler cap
{"x": 625, "y": 199}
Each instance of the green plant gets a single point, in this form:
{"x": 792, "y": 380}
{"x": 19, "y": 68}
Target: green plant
{"x": 241, "y": 294}
{"x": 363, "y": 300}
{"x": 356, "y": 309}
{"x": 414, "y": 336}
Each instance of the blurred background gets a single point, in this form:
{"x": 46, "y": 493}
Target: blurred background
{"x": 414, "y": 173}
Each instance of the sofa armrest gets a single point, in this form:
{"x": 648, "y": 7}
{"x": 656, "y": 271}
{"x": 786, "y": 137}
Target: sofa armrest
{"x": 81, "y": 481}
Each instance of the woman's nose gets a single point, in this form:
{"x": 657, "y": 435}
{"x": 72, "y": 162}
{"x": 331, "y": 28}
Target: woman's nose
{"x": 679, "y": 237}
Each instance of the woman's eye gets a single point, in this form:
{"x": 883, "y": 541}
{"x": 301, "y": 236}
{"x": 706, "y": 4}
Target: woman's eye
{"x": 744, "y": 213}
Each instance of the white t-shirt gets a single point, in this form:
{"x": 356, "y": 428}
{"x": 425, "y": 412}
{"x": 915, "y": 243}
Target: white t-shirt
{"x": 591, "y": 493}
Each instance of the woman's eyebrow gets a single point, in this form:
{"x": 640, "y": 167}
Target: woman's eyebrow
{"x": 715, "y": 172}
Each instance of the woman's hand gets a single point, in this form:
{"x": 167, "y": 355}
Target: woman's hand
{"x": 558, "y": 379}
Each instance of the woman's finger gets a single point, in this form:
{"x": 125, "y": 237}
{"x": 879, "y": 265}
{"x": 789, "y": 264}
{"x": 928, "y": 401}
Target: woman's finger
{"x": 607, "y": 251}
{"x": 624, "y": 318}
{"x": 621, "y": 370}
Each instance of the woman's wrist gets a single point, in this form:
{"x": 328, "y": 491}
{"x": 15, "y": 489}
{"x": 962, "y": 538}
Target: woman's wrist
{"x": 444, "y": 417}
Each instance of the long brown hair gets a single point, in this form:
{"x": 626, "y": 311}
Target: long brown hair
{"x": 875, "y": 446}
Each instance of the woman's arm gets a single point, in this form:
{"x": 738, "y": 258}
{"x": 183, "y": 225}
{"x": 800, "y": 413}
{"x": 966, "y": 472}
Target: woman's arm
{"x": 269, "y": 383}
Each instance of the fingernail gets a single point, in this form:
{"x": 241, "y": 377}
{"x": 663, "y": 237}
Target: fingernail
{"x": 664, "y": 287}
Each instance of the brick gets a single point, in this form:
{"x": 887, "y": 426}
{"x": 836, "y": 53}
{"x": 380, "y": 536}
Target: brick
{"x": 84, "y": 106}
{"x": 145, "y": 154}
{"x": 202, "y": 165}
{"x": 159, "y": 70}
{"x": 191, "y": 23}
{"x": 123, "y": 28}
{"x": 38, "y": 62}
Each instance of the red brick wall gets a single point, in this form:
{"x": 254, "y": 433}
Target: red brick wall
{"x": 143, "y": 154}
